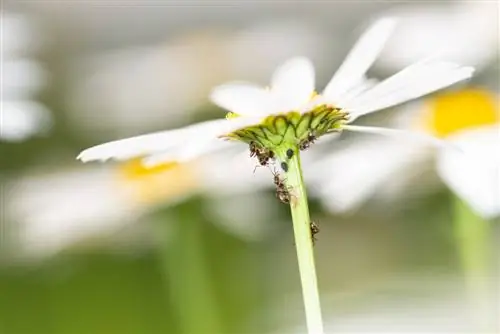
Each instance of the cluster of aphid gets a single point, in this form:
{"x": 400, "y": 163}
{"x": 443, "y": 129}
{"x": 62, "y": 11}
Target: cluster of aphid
{"x": 264, "y": 156}
{"x": 306, "y": 143}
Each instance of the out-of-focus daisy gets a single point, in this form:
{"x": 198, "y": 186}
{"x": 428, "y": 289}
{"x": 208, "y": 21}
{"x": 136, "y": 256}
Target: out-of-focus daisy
{"x": 21, "y": 117}
{"x": 110, "y": 201}
{"x": 289, "y": 112}
{"x": 469, "y": 119}
{"x": 462, "y": 31}
{"x": 133, "y": 86}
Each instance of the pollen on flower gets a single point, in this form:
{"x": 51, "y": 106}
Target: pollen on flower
{"x": 134, "y": 169}
{"x": 147, "y": 185}
{"x": 451, "y": 112}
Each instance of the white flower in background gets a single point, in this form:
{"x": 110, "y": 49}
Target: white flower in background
{"x": 461, "y": 31}
{"x": 21, "y": 117}
{"x": 469, "y": 119}
{"x": 290, "y": 112}
{"x": 111, "y": 201}
{"x": 134, "y": 85}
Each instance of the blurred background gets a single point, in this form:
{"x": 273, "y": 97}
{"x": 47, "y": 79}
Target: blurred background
{"x": 205, "y": 247}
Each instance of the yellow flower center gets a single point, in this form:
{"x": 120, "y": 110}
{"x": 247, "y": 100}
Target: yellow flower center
{"x": 452, "y": 112}
{"x": 161, "y": 183}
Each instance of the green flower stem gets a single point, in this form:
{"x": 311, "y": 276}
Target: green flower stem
{"x": 472, "y": 235}
{"x": 188, "y": 278}
{"x": 303, "y": 242}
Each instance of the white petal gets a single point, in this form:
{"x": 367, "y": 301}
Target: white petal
{"x": 190, "y": 151}
{"x": 243, "y": 99}
{"x": 419, "y": 136}
{"x": 410, "y": 83}
{"x": 150, "y": 143}
{"x": 292, "y": 84}
{"x": 232, "y": 172}
{"x": 356, "y": 90}
{"x": 475, "y": 175}
{"x": 343, "y": 180}
{"x": 360, "y": 58}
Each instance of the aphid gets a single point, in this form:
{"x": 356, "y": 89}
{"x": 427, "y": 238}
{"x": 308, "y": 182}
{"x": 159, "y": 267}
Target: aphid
{"x": 254, "y": 149}
{"x": 289, "y": 153}
{"x": 314, "y": 230}
{"x": 263, "y": 154}
{"x": 282, "y": 193}
{"x": 284, "y": 166}
{"x": 306, "y": 143}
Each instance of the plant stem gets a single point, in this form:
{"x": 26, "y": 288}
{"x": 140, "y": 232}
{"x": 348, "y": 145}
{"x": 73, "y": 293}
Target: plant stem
{"x": 188, "y": 277}
{"x": 472, "y": 237}
{"x": 304, "y": 244}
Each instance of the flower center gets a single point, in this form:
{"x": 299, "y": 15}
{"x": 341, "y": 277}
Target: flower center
{"x": 452, "y": 112}
{"x": 148, "y": 184}
{"x": 292, "y": 128}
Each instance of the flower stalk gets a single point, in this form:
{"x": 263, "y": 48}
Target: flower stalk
{"x": 304, "y": 243}
{"x": 472, "y": 237}
{"x": 187, "y": 276}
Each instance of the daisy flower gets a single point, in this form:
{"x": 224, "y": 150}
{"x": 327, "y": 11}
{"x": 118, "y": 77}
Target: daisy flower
{"x": 111, "y": 201}
{"x": 289, "y": 112}
{"x": 288, "y": 116}
{"x": 463, "y": 31}
{"x": 468, "y": 119}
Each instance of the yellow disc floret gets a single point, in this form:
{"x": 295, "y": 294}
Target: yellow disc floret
{"x": 161, "y": 183}
{"x": 452, "y": 112}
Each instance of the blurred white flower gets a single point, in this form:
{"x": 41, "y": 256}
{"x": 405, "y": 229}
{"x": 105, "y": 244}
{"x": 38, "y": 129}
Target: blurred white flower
{"x": 61, "y": 209}
{"x": 55, "y": 210}
{"x": 22, "y": 78}
{"x": 291, "y": 95}
{"x": 140, "y": 87}
{"x": 461, "y": 31}
{"x": 469, "y": 119}
{"x": 21, "y": 117}
{"x": 476, "y": 178}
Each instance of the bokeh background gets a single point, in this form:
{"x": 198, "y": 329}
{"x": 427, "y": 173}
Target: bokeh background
{"x": 205, "y": 247}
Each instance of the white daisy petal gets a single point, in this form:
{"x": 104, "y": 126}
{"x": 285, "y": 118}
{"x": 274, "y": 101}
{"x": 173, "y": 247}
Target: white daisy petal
{"x": 404, "y": 134}
{"x": 190, "y": 151}
{"x": 475, "y": 175}
{"x": 411, "y": 83}
{"x": 292, "y": 84}
{"x": 358, "y": 89}
{"x": 243, "y": 99}
{"x": 148, "y": 144}
{"x": 344, "y": 181}
{"x": 131, "y": 147}
{"x": 360, "y": 59}
{"x": 188, "y": 141}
